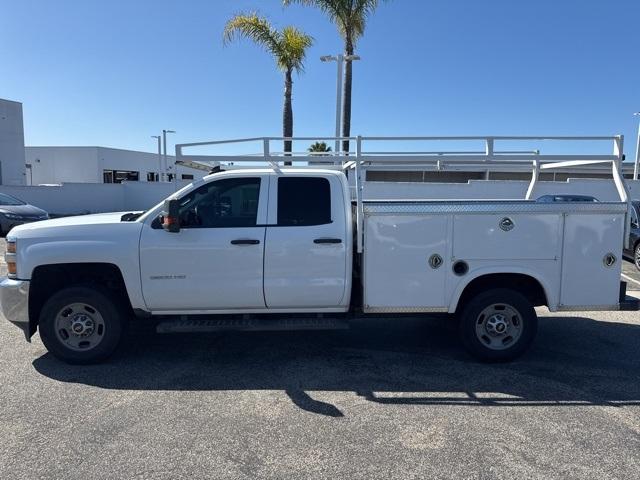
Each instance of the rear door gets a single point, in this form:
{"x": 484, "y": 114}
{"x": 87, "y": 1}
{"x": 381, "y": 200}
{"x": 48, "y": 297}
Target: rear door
{"x": 305, "y": 250}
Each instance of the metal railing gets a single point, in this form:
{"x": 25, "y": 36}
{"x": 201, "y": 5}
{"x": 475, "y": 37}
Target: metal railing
{"x": 360, "y": 159}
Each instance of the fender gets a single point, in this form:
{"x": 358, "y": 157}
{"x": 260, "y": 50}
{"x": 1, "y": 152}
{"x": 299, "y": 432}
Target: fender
{"x": 121, "y": 249}
{"x": 506, "y": 269}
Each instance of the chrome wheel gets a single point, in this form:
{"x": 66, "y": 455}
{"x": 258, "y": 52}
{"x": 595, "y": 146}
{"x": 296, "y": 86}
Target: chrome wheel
{"x": 79, "y": 326}
{"x": 499, "y": 326}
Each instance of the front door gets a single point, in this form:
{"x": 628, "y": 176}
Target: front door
{"x": 215, "y": 262}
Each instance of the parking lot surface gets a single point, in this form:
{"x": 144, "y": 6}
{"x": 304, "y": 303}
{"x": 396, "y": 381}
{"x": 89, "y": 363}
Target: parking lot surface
{"x": 394, "y": 399}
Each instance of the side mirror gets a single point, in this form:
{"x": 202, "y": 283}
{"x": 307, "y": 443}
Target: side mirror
{"x": 170, "y": 216}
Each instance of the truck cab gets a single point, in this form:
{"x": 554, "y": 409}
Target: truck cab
{"x": 251, "y": 241}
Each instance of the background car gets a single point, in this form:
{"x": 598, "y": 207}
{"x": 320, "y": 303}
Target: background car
{"x": 633, "y": 252}
{"x": 566, "y": 198}
{"x": 16, "y": 212}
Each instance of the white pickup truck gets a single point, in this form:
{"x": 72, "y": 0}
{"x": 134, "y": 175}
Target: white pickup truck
{"x": 300, "y": 248}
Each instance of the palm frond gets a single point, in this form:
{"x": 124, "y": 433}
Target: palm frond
{"x": 255, "y": 28}
{"x": 349, "y": 16}
{"x": 294, "y": 47}
{"x": 287, "y": 46}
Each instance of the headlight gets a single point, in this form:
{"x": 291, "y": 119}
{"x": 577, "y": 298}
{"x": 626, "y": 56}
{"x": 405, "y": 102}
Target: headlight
{"x": 12, "y": 216}
{"x": 10, "y": 258}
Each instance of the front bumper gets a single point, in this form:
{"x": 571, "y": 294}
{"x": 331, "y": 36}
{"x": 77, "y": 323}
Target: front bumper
{"x": 14, "y": 298}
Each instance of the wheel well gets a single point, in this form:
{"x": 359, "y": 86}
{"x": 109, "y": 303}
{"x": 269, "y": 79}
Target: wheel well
{"x": 521, "y": 283}
{"x": 49, "y": 279}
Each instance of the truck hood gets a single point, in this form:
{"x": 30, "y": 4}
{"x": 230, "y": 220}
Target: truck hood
{"x": 80, "y": 220}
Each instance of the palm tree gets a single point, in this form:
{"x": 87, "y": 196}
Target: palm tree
{"x": 287, "y": 46}
{"x": 318, "y": 148}
{"x": 350, "y": 16}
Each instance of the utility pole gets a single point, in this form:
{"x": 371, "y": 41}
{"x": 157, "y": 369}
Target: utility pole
{"x": 157, "y": 137}
{"x": 340, "y": 59}
{"x": 164, "y": 143}
{"x": 637, "y": 164}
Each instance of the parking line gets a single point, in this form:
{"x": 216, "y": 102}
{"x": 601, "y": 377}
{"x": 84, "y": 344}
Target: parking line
{"x": 630, "y": 279}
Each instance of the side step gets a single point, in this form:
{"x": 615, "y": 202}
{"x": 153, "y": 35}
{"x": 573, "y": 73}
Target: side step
{"x": 251, "y": 324}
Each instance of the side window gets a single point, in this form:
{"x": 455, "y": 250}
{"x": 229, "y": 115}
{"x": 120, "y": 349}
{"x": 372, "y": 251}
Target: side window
{"x": 303, "y": 201}
{"x": 229, "y": 203}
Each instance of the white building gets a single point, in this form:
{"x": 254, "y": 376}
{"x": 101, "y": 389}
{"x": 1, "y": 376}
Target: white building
{"x": 56, "y": 165}
{"x": 12, "y": 164}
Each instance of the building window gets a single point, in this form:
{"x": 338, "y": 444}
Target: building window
{"x": 187, "y": 176}
{"x": 119, "y": 176}
{"x": 170, "y": 177}
{"x": 152, "y": 177}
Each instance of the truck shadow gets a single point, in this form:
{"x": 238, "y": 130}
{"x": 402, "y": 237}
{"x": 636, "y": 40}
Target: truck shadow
{"x": 575, "y": 361}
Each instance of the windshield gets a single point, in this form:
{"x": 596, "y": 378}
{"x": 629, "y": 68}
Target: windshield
{"x": 9, "y": 200}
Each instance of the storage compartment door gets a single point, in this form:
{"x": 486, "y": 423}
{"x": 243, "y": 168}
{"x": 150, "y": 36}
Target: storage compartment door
{"x": 506, "y": 236}
{"x": 587, "y": 280}
{"x": 397, "y": 274}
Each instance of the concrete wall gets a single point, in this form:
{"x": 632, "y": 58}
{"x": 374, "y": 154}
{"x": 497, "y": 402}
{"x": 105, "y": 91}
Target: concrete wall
{"x": 56, "y": 165}
{"x": 78, "y": 198}
{"x": 603, "y": 190}
{"x": 12, "y": 168}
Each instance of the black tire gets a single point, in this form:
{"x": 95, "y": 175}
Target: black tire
{"x": 112, "y": 319}
{"x": 502, "y": 306}
{"x": 636, "y": 256}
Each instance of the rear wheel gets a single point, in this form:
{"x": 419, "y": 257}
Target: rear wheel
{"x": 498, "y": 325}
{"x": 636, "y": 256}
{"x": 82, "y": 324}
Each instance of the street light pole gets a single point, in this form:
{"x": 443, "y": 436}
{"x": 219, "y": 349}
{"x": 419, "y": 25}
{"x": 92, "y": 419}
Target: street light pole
{"x": 637, "y": 164}
{"x": 157, "y": 137}
{"x": 340, "y": 59}
{"x": 164, "y": 143}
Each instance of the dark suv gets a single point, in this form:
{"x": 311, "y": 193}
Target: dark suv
{"x": 633, "y": 252}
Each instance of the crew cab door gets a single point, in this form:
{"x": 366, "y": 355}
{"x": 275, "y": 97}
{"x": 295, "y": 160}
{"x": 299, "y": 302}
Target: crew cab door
{"x": 306, "y": 246}
{"x": 215, "y": 261}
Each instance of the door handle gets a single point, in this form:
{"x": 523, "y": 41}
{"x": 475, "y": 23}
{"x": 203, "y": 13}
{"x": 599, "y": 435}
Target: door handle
{"x": 327, "y": 240}
{"x": 244, "y": 241}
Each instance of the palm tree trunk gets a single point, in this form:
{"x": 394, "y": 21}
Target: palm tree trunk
{"x": 287, "y": 114}
{"x": 346, "y": 103}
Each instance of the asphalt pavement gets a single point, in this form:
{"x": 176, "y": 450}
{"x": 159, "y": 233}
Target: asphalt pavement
{"x": 394, "y": 399}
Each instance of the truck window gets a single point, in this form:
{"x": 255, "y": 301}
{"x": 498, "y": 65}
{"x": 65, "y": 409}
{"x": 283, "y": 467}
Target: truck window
{"x": 303, "y": 201}
{"x": 228, "y": 203}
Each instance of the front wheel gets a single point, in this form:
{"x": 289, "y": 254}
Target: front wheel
{"x": 82, "y": 324}
{"x": 636, "y": 256}
{"x": 498, "y": 325}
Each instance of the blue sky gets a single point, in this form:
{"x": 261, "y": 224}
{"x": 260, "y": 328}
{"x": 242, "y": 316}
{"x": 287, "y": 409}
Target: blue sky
{"x": 113, "y": 73}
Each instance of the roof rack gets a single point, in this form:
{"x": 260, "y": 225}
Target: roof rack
{"x": 360, "y": 159}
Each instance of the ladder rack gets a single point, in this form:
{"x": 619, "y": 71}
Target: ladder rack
{"x": 360, "y": 159}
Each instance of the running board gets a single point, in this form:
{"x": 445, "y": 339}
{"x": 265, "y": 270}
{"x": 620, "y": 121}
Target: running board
{"x": 251, "y": 324}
